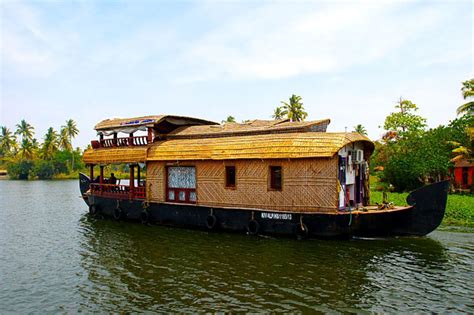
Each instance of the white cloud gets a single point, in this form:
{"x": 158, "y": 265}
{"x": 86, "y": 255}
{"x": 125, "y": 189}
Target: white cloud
{"x": 24, "y": 44}
{"x": 280, "y": 40}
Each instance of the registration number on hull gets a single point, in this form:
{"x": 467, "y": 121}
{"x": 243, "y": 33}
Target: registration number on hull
{"x": 276, "y": 216}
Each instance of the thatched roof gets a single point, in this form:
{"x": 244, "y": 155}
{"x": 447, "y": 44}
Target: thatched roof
{"x": 115, "y": 155}
{"x": 149, "y": 121}
{"x": 461, "y": 161}
{"x": 250, "y": 127}
{"x": 268, "y": 146}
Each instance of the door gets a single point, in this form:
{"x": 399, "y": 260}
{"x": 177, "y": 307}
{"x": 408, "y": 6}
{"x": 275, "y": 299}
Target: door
{"x": 181, "y": 184}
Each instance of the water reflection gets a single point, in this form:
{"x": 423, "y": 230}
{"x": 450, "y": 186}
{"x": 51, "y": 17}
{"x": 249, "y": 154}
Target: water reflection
{"x": 137, "y": 268}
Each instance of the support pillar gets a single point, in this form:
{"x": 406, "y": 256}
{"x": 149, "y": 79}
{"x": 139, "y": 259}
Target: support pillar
{"x": 91, "y": 172}
{"x": 150, "y": 135}
{"x": 101, "y": 179}
{"x": 115, "y": 139}
{"x": 132, "y": 182}
{"x": 138, "y": 175}
{"x": 130, "y": 139}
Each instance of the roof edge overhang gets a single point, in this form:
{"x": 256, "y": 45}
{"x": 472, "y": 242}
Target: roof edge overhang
{"x": 129, "y": 125}
{"x": 115, "y": 155}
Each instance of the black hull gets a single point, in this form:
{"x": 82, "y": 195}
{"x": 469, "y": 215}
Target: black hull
{"x": 424, "y": 216}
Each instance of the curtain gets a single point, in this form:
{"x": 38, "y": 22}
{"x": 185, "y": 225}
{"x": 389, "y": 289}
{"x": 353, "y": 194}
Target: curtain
{"x": 181, "y": 177}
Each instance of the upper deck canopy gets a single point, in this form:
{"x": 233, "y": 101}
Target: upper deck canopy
{"x": 253, "y": 127}
{"x": 267, "y": 146}
{"x": 161, "y": 123}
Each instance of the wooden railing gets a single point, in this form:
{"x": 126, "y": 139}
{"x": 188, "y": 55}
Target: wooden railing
{"x": 118, "y": 191}
{"x": 120, "y": 142}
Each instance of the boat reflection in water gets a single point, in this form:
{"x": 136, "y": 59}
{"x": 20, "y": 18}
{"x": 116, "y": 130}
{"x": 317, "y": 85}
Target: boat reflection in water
{"x": 134, "y": 268}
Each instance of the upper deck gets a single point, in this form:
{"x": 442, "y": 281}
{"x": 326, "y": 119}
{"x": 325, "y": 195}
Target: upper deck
{"x": 155, "y": 127}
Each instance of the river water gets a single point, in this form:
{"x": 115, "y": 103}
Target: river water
{"x": 54, "y": 258}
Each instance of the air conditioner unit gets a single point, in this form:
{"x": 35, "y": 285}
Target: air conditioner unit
{"x": 358, "y": 156}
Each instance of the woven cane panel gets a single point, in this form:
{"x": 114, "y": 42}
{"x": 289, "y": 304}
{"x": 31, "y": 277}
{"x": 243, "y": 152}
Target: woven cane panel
{"x": 156, "y": 181}
{"x": 308, "y": 185}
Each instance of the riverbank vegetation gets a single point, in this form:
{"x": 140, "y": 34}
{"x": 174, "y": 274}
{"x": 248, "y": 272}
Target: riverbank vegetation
{"x": 24, "y": 157}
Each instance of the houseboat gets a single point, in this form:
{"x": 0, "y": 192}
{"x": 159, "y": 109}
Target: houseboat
{"x": 273, "y": 177}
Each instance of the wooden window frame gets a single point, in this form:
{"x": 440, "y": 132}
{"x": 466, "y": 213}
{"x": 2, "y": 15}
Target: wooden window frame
{"x": 271, "y": 178}
{"x": 226, "y": 177}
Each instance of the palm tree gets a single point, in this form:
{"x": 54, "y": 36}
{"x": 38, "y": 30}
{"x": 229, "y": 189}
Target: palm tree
{"x": 50, "y": 144}
{"x": 25, "y": 130}
{"x": 294, "y": 109}
{"x": 27, "y": 150}
{"x": 64, "y": 142}
{"x": 467, "y": 92}
{"x": 72, "y": 131}
{"x": 360, "y": 129}
{"x": 230, "y": 119}
{"x": 7, "y": 141}
{"x": 279, "y": 113}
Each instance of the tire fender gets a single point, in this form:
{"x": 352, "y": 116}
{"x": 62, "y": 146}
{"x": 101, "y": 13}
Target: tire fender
{"x": 253, "y": 227}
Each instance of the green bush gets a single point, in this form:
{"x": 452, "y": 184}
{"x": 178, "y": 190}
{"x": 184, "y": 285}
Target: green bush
{"x": 403, "y": 172}
{"x": 20, "y": 169}
{"x": 44, "y": 169}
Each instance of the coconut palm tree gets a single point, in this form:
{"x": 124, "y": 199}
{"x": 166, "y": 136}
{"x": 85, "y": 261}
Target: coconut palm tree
{"x": 279, "y": 113}
{"x": 467, "y": 92}
{"x": 294, "y": 109}
{"x": 64, "y": 142}
{"x": 27, "y": 150}
{"x": 72, "y": 131}
{"x": 50, "y": 144}
{"x": 25, "y": 130}
{"x": 7, "y": 141}
{"x": 360, "y": 129}
{"x": 229, "y": 119}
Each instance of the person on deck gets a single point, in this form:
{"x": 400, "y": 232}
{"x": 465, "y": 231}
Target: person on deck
{"x": 112, "y": 179}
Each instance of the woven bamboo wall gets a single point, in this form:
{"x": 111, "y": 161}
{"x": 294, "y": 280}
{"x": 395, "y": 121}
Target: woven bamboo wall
{"x": 155, "y": 180}
{"x": 308, "y": 184}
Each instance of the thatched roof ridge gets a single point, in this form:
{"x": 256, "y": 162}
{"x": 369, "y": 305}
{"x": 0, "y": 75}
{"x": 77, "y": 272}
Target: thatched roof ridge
{"x": 253, "y": 127}
{"x": 268, "y": 146}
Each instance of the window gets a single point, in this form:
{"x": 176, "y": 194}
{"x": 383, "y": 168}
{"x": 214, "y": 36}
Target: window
{"x": 275, "y": 177}
{"x": 230, "y": 176}
{"x": 181, "y": 184}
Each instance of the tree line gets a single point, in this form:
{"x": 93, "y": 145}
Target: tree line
{"x": 25, "y": 157}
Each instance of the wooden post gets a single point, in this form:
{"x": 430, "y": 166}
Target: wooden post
{"x": 101, "y": 180}
{"x": 115, "y": 139}
{"x": 138, "y": 175}
{"x": 130, "y": 139}
{"x": 132, "y": 182}
{"x": 101, "y": 139}
{"x": 91, "y": 173}
{"x": 150, "y": 135}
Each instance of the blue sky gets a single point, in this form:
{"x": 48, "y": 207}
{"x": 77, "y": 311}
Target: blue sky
{"x": 350, "y": 61}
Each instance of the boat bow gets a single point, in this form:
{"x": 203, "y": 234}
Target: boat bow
{"x": 429, "y": 204}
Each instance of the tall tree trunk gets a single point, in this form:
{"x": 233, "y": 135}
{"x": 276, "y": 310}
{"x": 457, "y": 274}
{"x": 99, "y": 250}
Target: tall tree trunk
{"x": 72, "y": 151}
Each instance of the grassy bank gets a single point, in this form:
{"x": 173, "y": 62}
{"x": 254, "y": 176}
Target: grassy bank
{"x": 459, "y": 210}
